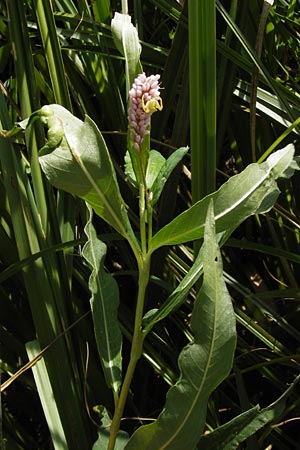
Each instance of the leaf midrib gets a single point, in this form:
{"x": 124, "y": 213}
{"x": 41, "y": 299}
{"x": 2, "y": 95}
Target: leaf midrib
{"x": 180, "y": 236}
{"x": 187, "y": 416}
{"x": 109, "y": 352}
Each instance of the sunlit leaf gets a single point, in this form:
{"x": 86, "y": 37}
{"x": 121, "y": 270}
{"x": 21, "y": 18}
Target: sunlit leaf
{"x": 203, "y": 364}
{"x": 165, "y": 171}
{"x": 43, "y": 384}
{"x": 81, "y": 165}
{"x": 155, "y": 163}
{"x": 252, "y": 191}
{"x": 127, "y": 42}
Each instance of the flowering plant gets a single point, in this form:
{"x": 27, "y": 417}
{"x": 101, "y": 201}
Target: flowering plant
{"x": 76, "y": 159}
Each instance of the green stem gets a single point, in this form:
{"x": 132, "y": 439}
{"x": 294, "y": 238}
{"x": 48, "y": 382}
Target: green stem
{"x": 136, "y": 348}
{"x": 143, "y": 260}
{"x": 149, "y": 218}
{"x": 143, "y": 218}
{"x": 124, "y": 6}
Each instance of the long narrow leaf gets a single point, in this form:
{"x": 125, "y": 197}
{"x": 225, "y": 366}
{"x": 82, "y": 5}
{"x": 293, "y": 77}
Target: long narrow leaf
{"x": 252, "y": 191}
{"x": 177, "y": 297}
{"x": 233, "y": 433}
{"x": 104, "y": 304}
{"x": 203, "y": 364}
{"x": 202, "y": 78}
{"x": 47, "y": 398}
{"x": 127, "y": 42}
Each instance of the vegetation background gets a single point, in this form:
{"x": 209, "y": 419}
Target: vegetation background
{"x": 62, "y": 51}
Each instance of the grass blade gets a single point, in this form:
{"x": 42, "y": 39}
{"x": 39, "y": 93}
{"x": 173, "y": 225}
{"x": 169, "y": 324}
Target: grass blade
{"x": 202, "y": 77}
{"x": 47, "y": 398}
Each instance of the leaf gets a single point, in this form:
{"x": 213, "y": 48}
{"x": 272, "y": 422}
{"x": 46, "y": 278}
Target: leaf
{"x": 177, "y": 297}
{"x": 252, "y": 191}
{"x": 166, "y": 171}
{"x": 203, "y": 364}
{"x": 126, "y": 40}
{"x": 81, "y": 165}
{"x": 104, "y": 305}
{"x": 103, "y": 439}
{"x": 155, "y": 163}
{"x": 158, "y": 170}
{"x": 103, "y": 435}
{"x": 46, "y": 395}
{"x": 233, "y": 433}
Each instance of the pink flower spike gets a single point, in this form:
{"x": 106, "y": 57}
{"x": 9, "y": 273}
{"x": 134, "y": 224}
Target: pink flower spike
{"x": 144, "y": 100}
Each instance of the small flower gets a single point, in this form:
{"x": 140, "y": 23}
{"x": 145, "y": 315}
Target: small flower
{"x": 144, "y": 100}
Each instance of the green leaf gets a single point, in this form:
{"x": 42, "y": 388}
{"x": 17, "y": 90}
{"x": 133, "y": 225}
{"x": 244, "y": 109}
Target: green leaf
{"x": 166, "y": 171}
{"x": 177, "y": 297}
{"x": 252, "y": 191}
{"x": 43, "y": 384}
{"x": 233, "y": 433}
{"x": 126, "y": 40}
{"x": 81, "y": 165}
{"x": 103, "y": 439}
{"x": 103, "y": 435}
{"x": 129, "y": 171}
{"x": 158, "y": 170}
{"x": 203, "y": 364}
{"x": 104, "y": 305}
{"x": 155, "y": 163}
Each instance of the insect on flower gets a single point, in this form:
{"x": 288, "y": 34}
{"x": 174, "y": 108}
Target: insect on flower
{"x": 152, "y": 105}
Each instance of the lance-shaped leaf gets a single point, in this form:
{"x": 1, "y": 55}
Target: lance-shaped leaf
{"x": 104, "y": 305}
{"x": 252, "y": 191}
{"x": 203, "y": 364}
{"x": 81, "y": 165}
{"x": 177, "y": 297}
{"x": 165, "y": 171}
{"x": 230, "y": 435}
{"x": 126, "y": 40}
{"x": 155, "y": 162}
{"x": 158, "y": 170}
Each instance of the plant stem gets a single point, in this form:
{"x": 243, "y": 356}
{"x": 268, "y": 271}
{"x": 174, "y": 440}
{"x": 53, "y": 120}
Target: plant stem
{"x": 143, "y": 218}
{"x": 149, "y": 217}
{"x": 136, "y": 348}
